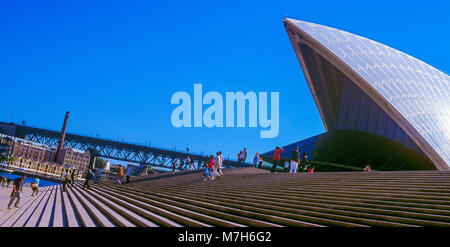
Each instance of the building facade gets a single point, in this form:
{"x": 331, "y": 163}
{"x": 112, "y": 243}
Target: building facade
{"x": 44, "y": 167}
{"x": 32, "y": 150}
{"x": 5, "y": 146}
{"x": 77, "y": 159}
{"x": 37, "y": 157}
{"x": 365, "y": 90}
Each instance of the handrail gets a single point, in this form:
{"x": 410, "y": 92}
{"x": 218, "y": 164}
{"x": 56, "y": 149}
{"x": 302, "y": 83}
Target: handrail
{"x": 269, "y": 159}
{"x": 353, "y": 168}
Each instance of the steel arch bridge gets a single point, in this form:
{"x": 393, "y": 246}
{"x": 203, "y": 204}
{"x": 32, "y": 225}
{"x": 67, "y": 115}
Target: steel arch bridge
{"x": 143, "y": 155}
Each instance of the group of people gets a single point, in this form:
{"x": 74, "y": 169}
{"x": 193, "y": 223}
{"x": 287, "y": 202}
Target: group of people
{"x": 4, "y": 182}
{"x": 183, "y": 163}
{"x": 18, "y": 183}
{"x": 214, "y": 166}
{"x": 258, "y": 161}
{"x": 128, "y": 174}
{"x": 17, "y": 190}
{"x": 68, "y": 178}
{"x": 120, "y": 174}
{"x": 296, "y": 163}
{"x": 242, "y": 156}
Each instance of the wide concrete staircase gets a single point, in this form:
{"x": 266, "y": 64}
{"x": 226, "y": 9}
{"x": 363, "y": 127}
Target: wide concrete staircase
{"x": 248, "y": 197}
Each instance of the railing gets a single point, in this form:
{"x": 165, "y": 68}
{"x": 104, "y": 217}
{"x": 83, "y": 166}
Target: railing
{"x": 269, "y": 160}
{"x": 346, "y": 167}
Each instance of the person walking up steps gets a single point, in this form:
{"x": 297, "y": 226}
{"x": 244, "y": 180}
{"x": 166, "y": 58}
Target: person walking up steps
{"x": 295, "y": 160}
{"x": 129, "y": 172}
{"x": 35, "y": 186}
{"x": 89, "y": 176}
{"x": 17, "y": 191}
{"x": 188, "y": 162}
{"x": 242, "y": 157}
{"x": 72, "y": 177}
{"x": 256, "y": 160}
{"x": 221, "y": 162}
{"x": 65, "y": 182}
{"x": 174, "y": 166}
{"x": 120, "y": 175}
{"x": 209, "y": 172}
{"x": 98, "y": 177}
{"x": 276, "y": 157}
{"x": 218, "y": 165}
{"x": 239, "y": 158}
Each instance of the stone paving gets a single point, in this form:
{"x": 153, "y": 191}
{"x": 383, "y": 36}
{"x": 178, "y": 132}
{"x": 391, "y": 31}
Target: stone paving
{"x": 5, "y": 197}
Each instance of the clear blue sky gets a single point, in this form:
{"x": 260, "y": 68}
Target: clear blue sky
{"x": 115, "y": 64}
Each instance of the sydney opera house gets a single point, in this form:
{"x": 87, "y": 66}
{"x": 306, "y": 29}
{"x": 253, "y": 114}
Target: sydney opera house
{"x": 379, "y": 106}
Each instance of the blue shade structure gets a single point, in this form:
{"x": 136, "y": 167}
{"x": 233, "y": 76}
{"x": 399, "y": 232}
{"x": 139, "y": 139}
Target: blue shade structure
{"x": 364, "y": 86}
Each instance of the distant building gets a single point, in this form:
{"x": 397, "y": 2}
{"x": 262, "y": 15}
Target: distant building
{"x": 5, "y": 145}
{"x": 77, "y": 159}
{"x": 32, "y": 150}
{"x": 43, "y": 167}
{"x": 29, "y": 151}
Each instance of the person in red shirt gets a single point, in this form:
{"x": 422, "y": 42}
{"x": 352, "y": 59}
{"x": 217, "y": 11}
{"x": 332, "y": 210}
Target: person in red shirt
{"x": 209, "y": 173}
{"x": 276, "y": 157}
{"x": 120, "y": 175}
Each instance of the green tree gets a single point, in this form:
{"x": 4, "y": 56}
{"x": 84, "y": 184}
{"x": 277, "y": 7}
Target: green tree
{"x": 99, "y": 163}
{"x": 11, "y": 159}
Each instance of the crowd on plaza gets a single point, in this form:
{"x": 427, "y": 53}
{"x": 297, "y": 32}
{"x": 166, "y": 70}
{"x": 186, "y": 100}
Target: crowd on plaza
{"x": 18, "y": 184}
{"x": 17, "y": 188}
{"x": 98, "y": 175}
{"x": 213, "y": 165}
{"x": 296, "y": 164}
{"x": 4, "y": 182}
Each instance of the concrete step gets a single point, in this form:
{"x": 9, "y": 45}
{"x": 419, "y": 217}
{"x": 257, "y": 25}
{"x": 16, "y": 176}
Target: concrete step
{"x": 311, "y": 208}
{"x": 139, "y": 216}
{"x": 71, "y": 219}
{"x": 246, "y": 197}
{"x": 35, "y": 217}
{"x": 207, "y": 215}
{"x": 112, "y": 215}
{"x": 14, "y": 214}
{"x": 230, "y": 210}
{"x": 33, "y": 208}
{"x": 318, "y": 214}
{"x": 82, "y": 214}
{"x": 162, "y": 212}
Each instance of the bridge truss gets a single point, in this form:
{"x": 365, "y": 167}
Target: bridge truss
{"x": 143, "y": 155}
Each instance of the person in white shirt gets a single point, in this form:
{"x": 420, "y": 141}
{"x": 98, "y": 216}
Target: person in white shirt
{"x": 223, "y": 159}
{"x": 188, "y": 161}
{"x": 218, "y": 164}
{"x": 242, "y": 157}
{"x": 295, "y": 160}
